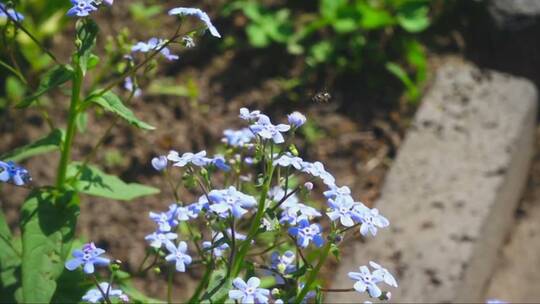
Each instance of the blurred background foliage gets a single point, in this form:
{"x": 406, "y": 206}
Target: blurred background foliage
{"x": 337, "y": 38}
{"x": 345, "y": 35}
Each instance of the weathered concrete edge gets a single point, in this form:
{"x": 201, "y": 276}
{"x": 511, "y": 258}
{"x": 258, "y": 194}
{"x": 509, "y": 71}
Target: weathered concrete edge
{"x": 500, "y": 217}
{"x": 497, "y": 227}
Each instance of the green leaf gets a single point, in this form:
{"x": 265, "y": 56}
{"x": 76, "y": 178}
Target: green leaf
{"x": 372, "y": 17}
{"x": 218, "y": 287}
{"x": 345, "y": 25}
{"x": 111, "y": 102}
{"x": 72, "y": 285}
{"x": 82, "y": 122}
{"x": 416, "y": 57}
{"x": 48, "y": 225}
{"x": 257, "y": 37}
{"x": 46, "y": 144}
{"x": 87, "y": 31}
{"x": 53, "y": 78}
{"x": 10, "y": 263}
{"x": 15, "y": 89}
{"x": 413, "y": 16}
{"x": 320, "y": 52}
{"x": 329, "y": 8}
{"x": 95, "y": 182}
{"x": 412, "y": 89}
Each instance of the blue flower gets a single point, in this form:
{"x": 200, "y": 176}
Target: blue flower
{"x": 238, "y": 138}
{"x": 230, "y": 201}
{"x": 296, "y": 212}
{"x": 159, "y": 163}
{"x": 187, "y": 213}
{"x": 130, "y": 86}
{"x": 165, "y": 220}
{"x": 11, "y": 13}
{"x": 178, "y": 255}
{"x": 296, "y": 119}
{"x": 220, "y": 163}
{"x": 249, "y": 292}
{"x": 366, "y": 281}
{"x": 317, "y": 169}
{"x": 158, "y": 239}
{"x": 387, "y": 277}
{"x": 495, "y": 301}
{"x": 343, "y": 208}
{"x": 11, "y": 173}
{"x": 287, "y": 159}
{"x": 245, "y": 114}
{"x": 198, "y": 159}
{"x": 88, "y": 257}
{"x": 370, "y": 219}
{"x": 194, "y": 209}
{"x": 82, "y": 8}
{"x": 306, "y": 232}
{"x": 265, "y": 129}
{"x": 335, "y": 192}
{"x": 188, "y": 11}
{"x": 95, "y": 296}
{"x": 154, "y": 44}
{"x": 283, "y": 264}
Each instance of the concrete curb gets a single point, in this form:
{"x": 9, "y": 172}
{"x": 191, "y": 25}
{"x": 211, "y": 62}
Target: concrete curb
{"x": 451, "y": 192}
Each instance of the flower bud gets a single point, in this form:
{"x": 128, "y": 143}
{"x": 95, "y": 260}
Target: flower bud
{"x": 159, "y": 163}
{"x": 296, "y": 119}
{"x": 385, "y": 296}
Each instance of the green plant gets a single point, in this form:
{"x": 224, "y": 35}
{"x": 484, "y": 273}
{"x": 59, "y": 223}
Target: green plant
{"x": 346, "y": 35}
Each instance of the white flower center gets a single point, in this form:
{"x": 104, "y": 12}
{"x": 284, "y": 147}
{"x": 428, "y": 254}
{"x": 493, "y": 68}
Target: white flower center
{"x": 250, "y": 290}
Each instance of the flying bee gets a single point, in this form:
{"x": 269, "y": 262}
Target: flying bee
{"x": 322, "y": 97}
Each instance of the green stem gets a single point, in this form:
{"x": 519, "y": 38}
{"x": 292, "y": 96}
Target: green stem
{"x": 71, "y": 127}
{"x": 169, "y": 284}
{"x": 34, "y": 39}
{"x": 255, "y": 224}
{"x": 14, "y": 71}
{"x": 313, "y": 274}
{"x": 206, "y": 278}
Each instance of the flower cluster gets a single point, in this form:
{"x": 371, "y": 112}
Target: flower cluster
{"x": 83, "y": 8}
{"x": 367, "y": 280}
{"x": 88, "y": 257}
{"x": 284, "y": 207}
{"x": 95, "y": 295}
{"x": 11, "y": 173}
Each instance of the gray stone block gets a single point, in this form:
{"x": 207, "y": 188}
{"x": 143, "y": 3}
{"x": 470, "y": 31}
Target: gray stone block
{"x": 452, "y": 190}
{"x": 514, "y": 14}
